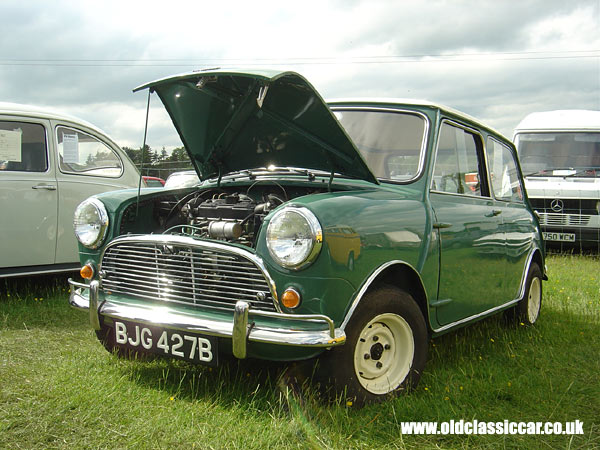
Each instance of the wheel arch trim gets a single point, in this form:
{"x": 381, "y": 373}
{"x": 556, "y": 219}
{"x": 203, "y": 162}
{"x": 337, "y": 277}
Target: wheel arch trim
{"x": 375, "y": 275}
{"x": 535, "y": 256}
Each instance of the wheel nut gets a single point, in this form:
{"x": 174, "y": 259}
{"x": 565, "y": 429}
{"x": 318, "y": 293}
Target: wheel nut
{"x": 379, "y": 365}
{"x": 367, "y": 356}
{"x": 375, "y": 338}
{"x": 387, "y": 346}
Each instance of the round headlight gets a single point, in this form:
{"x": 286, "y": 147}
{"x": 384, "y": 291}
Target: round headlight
{"x": 90, "y": 222}
{"x": 294, "y": 237}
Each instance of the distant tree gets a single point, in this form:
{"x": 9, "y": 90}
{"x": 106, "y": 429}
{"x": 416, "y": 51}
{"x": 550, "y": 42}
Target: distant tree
{"x": 179, "y": 154}
{"x": 159, "y": 164}
{"x": 134, "y": 154}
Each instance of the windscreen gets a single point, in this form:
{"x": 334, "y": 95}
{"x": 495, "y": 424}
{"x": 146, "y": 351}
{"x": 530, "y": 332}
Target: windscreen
{"x": 390, "y": 142}
{"x": 559, "y": 153}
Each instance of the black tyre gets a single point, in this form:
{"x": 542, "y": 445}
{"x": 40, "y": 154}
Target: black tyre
{"x": 385, "y": 350}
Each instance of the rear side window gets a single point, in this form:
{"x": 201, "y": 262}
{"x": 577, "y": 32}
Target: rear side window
{"x": 23, "y": 147}
{"x": 84, "y": 154}
{"x": 503, "y": 172}
{"x": 459, "y": 165}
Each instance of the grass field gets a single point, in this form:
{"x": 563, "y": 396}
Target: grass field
{"x": 59, "y": 388}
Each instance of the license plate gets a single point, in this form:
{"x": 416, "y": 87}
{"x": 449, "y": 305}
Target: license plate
{"x": 170, "y": 343}
{"x": 561, "y": 237}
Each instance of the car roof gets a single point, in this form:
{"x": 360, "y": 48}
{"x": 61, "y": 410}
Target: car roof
{"x": 183, "y": 172}
{"x": 566, "y": 119}
{"x": 411, "y": 102}
{"x": 17, "y": 109}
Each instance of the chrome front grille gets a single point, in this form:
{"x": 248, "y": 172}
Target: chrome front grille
{"x": 558, "y": 219}
{"x": 185, "y": 271}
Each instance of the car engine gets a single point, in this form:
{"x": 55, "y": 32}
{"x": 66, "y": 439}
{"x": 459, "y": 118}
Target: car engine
{"x": 228, "y": 216}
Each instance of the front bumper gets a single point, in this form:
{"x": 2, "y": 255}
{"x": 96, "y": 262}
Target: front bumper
{"x": 240, "y": 330}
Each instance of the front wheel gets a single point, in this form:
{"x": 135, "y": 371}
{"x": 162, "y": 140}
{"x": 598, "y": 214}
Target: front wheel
{"x": 385, "y": 350}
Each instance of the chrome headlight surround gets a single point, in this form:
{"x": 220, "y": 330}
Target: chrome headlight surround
{"x": 294, "y": 237}
{"x": 90, "y": 222}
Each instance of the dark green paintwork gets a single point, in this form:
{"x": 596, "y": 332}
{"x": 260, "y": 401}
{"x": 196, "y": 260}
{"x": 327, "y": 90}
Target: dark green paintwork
{"x": 454, "y": 260}
{"x": 227, "y": 126}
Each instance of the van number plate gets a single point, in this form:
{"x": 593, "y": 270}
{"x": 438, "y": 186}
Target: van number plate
{"x": 560, "y": 237}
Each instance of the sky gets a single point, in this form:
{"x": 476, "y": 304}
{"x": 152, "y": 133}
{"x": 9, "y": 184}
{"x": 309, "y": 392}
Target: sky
{"x": 495, "y": 60}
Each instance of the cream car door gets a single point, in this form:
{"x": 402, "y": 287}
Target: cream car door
{"x": 28, "y": 194}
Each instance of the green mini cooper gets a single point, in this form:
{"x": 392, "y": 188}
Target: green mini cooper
{"x": 351, "y": 231}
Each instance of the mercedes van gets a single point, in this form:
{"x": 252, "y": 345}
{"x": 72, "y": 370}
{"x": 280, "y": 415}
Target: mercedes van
{"x": 560, "y": 158}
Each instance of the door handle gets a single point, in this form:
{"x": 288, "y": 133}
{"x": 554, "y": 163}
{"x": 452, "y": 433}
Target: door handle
{"x": 494, "y": 213}
{"x": 440, "y": 225}
{"x": 48, "y": 187}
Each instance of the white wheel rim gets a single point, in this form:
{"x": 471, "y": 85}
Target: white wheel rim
{"x": 534, "y": 300}
{"x": 384, "y": 353}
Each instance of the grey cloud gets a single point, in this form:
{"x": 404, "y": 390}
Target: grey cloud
{"x": 499, "y": 92}
{"x": 437, "y": 27}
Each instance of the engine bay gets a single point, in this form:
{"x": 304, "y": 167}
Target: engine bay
{"x": 231, "y": 214}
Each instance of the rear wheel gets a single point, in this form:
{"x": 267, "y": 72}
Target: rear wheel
{"x": 385, "y": 350}
{"x": 528, "y": 308}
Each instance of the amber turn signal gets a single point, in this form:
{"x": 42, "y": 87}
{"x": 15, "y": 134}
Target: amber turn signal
{"x": 87, "y": 272}
{"x": 290, "y": 298}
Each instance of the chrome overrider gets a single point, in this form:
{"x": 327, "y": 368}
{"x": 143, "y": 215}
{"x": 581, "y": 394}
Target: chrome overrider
{"x": 241, "y": 329}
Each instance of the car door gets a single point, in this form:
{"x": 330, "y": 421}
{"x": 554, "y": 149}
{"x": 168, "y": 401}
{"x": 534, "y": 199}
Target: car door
{"x": 517, "y": 221}
{"x": 28, "y": 194}
{"x": 88, "y": 164}
{"x": 472, "y": 242}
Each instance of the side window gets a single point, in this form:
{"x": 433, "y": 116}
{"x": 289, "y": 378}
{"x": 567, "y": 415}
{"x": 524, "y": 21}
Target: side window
{"x": 23, "y": 147}
{"x": 84, "y": 154}
{"x": 503, "y": 172}
{"x": 458, "y": 164}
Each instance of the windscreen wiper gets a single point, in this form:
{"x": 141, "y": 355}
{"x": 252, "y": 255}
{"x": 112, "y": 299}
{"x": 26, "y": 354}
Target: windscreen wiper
{"x": 593, "y": 171}
{"x": 253, "y": 173}
{"x": 548, "y": 172}
{"x": 539, "y": 172}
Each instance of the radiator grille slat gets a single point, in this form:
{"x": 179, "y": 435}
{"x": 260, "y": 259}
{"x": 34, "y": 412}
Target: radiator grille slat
{"x": 185, "y": 274}
{"x": 558, "y": 219}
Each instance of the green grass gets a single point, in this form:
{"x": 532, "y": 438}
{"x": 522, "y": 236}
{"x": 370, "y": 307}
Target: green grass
{"x": 60, "y": 389}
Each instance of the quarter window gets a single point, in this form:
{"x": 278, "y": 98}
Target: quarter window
{"x": 23, "y": 147}
{"x": 503, "y": 172}
{"x": 84, "y": 154}
{"x": 458, "y": 164}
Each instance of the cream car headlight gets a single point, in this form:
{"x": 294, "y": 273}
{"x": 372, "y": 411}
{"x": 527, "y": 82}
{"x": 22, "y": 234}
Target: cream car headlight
{"x": 294, "y": 237}
{"x": 90, "y": 222}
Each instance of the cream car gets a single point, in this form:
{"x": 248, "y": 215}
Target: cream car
{"x": 49, "y": 163}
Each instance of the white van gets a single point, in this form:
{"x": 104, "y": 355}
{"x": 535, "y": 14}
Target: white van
{"x": 560, "y": 158}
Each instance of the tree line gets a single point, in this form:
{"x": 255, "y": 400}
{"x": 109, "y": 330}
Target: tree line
{"x": 159, "y": 163}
